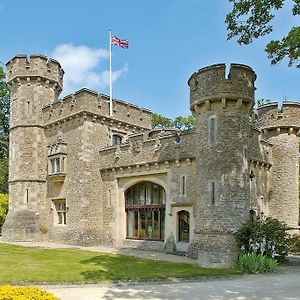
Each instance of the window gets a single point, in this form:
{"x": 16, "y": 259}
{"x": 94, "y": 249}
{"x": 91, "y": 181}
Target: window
{"x": 212, "y": 130}
{"x": 245, "y": 154}
{"x": 60, "y": 212}
{"x": 27, "y": 196}
{"x": 183, "y": 226}
{"x": 145, "y": 210}
{"x": 213, "y": 192}
{"x": 28, "y": 107}
{"x": 183, "y": 185}
{"x": 57, "y": 165}
{"x": 116, "y": 139}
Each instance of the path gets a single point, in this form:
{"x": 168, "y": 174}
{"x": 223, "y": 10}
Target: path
{"x": 282, "y": 286}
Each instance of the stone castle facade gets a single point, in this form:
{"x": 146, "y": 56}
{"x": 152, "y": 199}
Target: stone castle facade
{"x": 80, "y": 176}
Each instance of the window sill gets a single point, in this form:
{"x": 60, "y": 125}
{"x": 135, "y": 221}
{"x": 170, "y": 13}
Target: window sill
{"x": 140, "y": 239}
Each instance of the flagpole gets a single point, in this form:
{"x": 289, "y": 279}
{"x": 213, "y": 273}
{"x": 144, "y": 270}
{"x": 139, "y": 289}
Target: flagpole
{"x": 110, "y": 81}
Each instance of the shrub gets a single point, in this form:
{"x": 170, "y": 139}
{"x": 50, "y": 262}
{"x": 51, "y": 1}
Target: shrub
{"x": 8, "y": 292}
{"x": 294, "y": 245}
{"x": 268, "y": 237}
{"x": 3, "y": 208}
{"x": 256, "y": 263}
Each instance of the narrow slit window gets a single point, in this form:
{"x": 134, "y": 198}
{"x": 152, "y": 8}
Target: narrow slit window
{"x": 245, "y": 155}
{"x": 213, "y": 192}
{"x": 28, "y": 107}
{"x": 109, "y": 198}
{"x": 27, "y": 195}
{"x": 212, "y": 130}
{"x": 183, "y": 185}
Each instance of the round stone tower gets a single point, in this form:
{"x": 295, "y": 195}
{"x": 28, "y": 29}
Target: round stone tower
{"x": 34, "y": 82}
{"x": 281, "y": 127}
{"x": 221, "y": 107}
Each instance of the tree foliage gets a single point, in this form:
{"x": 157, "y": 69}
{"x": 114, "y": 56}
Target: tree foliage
{"x": 3, "y": 208}
{"x": 4, "y": 175}
{"x": 4, "y": 115}
{"x": 251, "y": 19}
{"x": 4, "y": 132}
{"x": 180, "y": 122}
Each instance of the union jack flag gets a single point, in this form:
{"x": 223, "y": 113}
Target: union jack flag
{"x": 119, "y": 42}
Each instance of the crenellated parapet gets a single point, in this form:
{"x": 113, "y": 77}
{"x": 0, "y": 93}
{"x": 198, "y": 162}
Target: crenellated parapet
{"x": 211, "y": 89}
{"x": 142, "y": 152}
{"x": 96, "y": 104}
{"x": 23, "y": 70}
{"x": 285, "y": 118}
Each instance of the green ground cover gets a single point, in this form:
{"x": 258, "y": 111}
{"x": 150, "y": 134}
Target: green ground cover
{"x": 25, "y": 264}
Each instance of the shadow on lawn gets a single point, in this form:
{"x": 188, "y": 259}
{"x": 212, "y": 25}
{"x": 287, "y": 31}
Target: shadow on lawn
{"x": 114, "y": 267}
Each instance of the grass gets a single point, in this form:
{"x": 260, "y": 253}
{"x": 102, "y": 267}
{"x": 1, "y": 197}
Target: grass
{"x": 27, "y": 265}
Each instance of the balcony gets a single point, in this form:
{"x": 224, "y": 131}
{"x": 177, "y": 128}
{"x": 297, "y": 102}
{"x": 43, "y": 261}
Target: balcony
{"x": 57, "y": 177}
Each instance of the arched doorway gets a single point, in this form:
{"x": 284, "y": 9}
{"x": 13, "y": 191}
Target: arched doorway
{"x": 145, "y": 211}
{"x": 183, "y": 226}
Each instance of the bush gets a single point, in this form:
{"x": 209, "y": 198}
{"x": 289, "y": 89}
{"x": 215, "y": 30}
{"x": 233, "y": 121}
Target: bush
{"x": 268, "y": 237}
{"x": 3, "y": 208}
{"x": 256, "y": 263}
{"x": 3, "y": 174}
{"x": 294, "y": 246}
{"x": 8, "y": 292}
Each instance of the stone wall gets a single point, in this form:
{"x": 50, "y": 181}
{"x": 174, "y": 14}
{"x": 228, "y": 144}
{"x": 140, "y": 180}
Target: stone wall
{"x": 141, "y": 152}
{"x": 124, "y": 114}
{"x": 34, "y": 65}
{"x": 284, "y": 175}
{"x": 33, "y": 84}
{"x": 280, "y": 127}
{"x": 223, "y": 194}
{"x": 271, "y": 115}
{"x": 82, "y": 186}
{"x": 210, "y": 83}
{"x": 229, "y": 171}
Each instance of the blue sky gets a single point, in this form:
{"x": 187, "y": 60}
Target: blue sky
{"x": 168, "y": 41}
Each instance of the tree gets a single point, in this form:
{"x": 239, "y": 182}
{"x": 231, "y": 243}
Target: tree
{"x": 3, "y": 208}
{"x": 251, "y": 19}
{"x": 4, "y": 132}
{"x": 4, "y": 175}
{"x": 180, "y": 122}
{"x": 184, "y": 123}
{"x": 4, "y": 115}
{"x": 159, "y": 121}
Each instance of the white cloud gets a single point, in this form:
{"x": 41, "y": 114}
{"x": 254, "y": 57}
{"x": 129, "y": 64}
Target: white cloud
{"x": 81, "y": 65}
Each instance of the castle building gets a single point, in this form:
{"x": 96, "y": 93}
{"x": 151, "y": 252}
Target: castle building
{"x": 83, "y": 177}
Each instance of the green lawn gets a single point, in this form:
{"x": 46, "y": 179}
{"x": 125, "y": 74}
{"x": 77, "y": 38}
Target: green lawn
{"x": 24, "y": 264}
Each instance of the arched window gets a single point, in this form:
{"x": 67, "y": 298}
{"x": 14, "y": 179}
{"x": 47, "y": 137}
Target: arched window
{"x": 116, "y": 139}
{"x": 183, "y": 226}
{"x": 145, "y": 210}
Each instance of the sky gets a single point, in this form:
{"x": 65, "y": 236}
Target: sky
{"x": 168, "y": 41}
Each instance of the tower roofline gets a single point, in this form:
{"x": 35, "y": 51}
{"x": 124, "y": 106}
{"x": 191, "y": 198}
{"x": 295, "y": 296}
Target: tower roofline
{"x": 28, "y": 59}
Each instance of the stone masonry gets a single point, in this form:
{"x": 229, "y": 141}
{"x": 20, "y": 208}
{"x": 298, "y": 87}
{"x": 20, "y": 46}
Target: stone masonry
{"x": 74, "y": 167}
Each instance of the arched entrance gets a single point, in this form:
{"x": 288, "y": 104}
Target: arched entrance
{"x": 183, "y": 226}
{"x": 145, "y": 211}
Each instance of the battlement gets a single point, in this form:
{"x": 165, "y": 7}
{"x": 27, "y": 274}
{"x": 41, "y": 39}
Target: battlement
{"x": 89, "y": 101}
{"x": 210, "y": 84}
{"x": 142, "y": 151}
{"x": 272, "y": 116}
{"x": 38, "y": 66}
